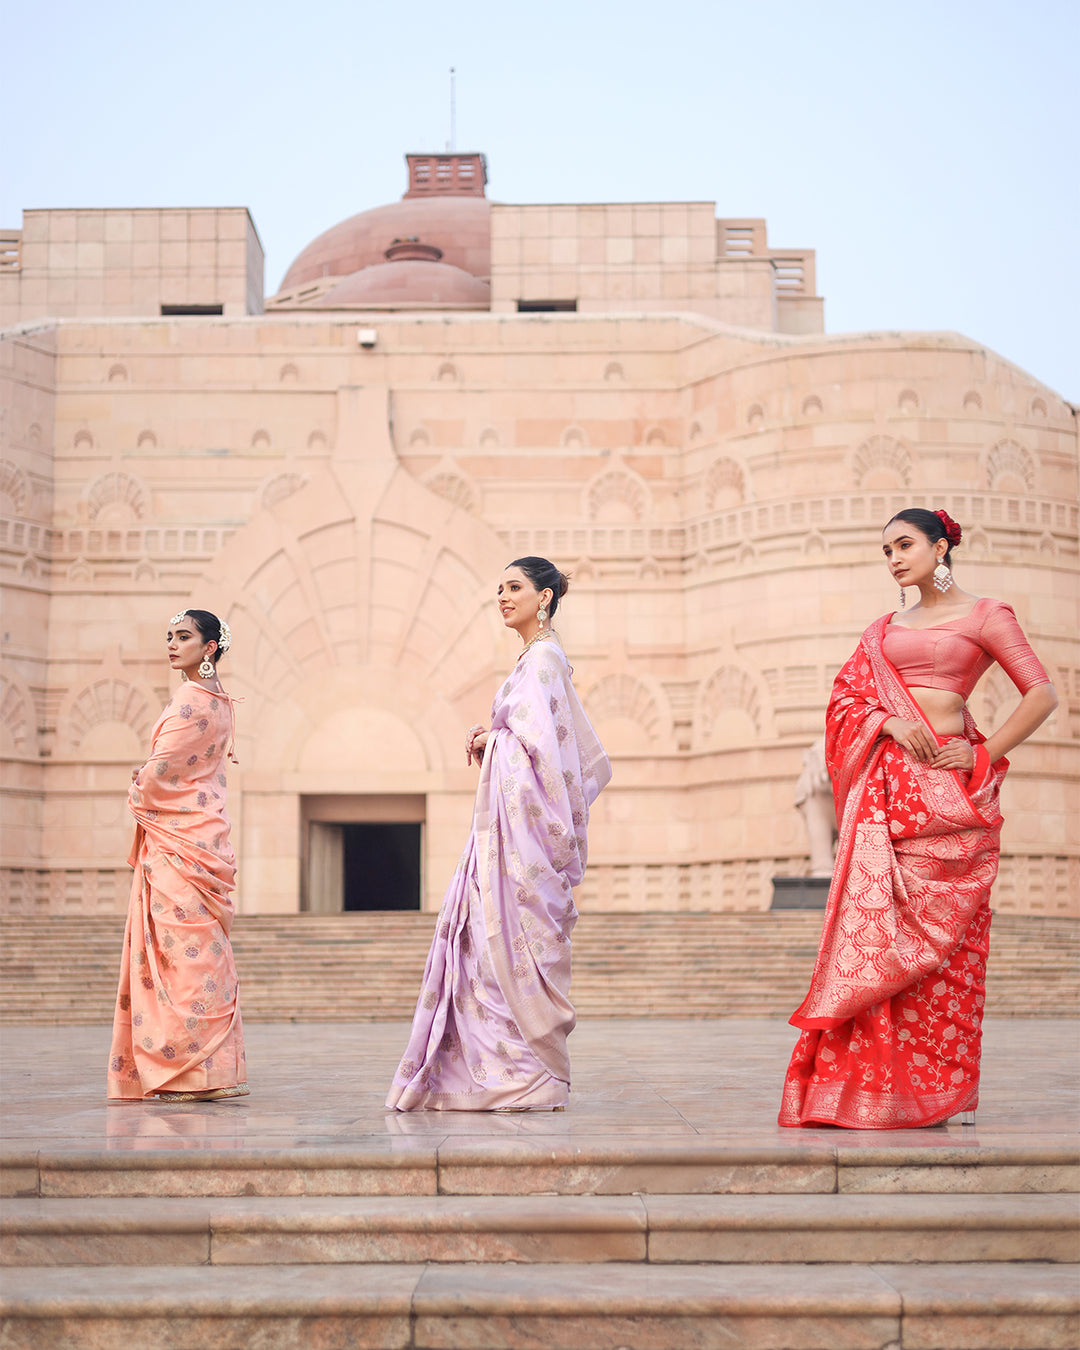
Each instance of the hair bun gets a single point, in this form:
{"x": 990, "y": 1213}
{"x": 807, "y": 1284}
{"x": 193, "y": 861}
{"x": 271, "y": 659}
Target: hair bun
{"x": 953, "y": 532}
{"x": 564, "y": 584}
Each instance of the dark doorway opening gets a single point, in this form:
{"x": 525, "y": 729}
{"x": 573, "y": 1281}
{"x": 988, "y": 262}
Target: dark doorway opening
{"x": 382, "y": 866}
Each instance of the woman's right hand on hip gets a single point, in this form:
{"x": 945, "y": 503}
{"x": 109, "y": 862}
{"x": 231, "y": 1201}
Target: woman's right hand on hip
{"x": 915, "y": 737}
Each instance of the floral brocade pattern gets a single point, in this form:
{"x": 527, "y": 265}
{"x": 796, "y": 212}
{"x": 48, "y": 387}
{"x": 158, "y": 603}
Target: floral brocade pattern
{"x": 494, "y": 1010}
{"x": 177, "y": 1023}
{"x": 891, "y": 1026}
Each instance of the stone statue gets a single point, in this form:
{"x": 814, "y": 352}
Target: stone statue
{"x": 814, "y": 798}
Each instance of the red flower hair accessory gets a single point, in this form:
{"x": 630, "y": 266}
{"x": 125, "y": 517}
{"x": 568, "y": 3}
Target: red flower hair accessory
{"x": 953, "y": 533}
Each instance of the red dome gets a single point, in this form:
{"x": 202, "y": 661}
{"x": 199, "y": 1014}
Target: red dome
{"x": 460, "y": 226}
{"x": 407, "y": 283}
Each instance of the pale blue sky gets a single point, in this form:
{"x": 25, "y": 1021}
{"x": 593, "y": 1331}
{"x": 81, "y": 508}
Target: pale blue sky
{"x": 928, "y": 152}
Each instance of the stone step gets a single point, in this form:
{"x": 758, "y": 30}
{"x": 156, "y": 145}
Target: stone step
{"x": 305, "y": 967}
{"x": 402, "y": 1166}
{"x": 665, "y": 1229}
{"x": 560, "y": 1307}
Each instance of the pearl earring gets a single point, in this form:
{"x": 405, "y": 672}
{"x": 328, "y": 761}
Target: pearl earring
{"x": 943, "y": 578}
{"x": 903, "y": 597}
{"x": 206, "y": 669}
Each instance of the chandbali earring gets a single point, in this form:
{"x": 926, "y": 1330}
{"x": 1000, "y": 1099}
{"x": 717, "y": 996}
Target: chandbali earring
{"x": 541, "y": 616}
{"x": 942, "y": 578}
{"x": 206, "y": 669}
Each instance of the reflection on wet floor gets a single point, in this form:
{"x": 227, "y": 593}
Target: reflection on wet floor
{"x": 681, "y": 1083}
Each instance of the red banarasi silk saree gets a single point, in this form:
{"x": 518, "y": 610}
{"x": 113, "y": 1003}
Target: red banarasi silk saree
{"x": 891, "y": 1027}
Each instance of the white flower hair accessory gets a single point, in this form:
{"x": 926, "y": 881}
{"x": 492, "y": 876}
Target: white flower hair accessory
{"x": 179, "y": 618}
{"x": 226, "y": 636}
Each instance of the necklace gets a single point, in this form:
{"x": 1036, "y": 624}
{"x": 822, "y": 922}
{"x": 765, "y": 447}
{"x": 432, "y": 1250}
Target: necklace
{"x": 542, "y": 636}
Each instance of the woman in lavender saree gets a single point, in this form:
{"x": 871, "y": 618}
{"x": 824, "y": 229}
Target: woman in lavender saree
{"x": 494, "y": 1012}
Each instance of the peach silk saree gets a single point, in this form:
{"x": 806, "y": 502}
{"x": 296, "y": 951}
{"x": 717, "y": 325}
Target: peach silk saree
{"x": 177, "y": 1024}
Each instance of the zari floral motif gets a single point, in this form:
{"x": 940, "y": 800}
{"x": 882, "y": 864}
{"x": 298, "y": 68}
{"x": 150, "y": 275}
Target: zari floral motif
{"x": 891, "y": 1025}
{"x": 494, "y": 1010}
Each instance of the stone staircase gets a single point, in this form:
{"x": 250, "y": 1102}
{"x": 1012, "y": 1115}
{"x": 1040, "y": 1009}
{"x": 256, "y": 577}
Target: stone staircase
{"x": 356, "y": 967}
{"x": 544, "y": 1243}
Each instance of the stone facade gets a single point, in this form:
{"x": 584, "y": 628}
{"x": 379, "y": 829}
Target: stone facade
{"x": 345, "y": 484}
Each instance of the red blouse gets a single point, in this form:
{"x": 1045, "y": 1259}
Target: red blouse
{"x": 955, "y": 655}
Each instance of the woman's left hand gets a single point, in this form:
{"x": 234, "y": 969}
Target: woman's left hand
{"x": 475, "y": 742}
{"x": 955, "y": 754}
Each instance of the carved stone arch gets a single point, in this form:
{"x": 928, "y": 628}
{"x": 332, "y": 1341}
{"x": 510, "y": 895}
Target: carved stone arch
{"x": 574, "y": 438}
{"x": 1010, "y": 468}
{"x": 15, "y": 489}
{"x": 695, "y": 430}
{"x": 731, "y": 708}
{"x": 34, "y": 435}
{"x": 656, "y": 436}
{"x": 289, "y": 373}
{"x": 812, "y": 406}
{"x": 746, "y": 556}
{"x": 83, "y": 440}
{"x": 630, "y": 716}
{"x": 973, "y": 401}
{"x": 108, "y": 718}
{"x": 16, "y": 716}
{"x": 369, "y": 573}
{"x": 1039, "y": 408}
{"x": 814, "y": 543}
{"x": 29, "y": 569}
{"x": 881, "y": 462}
{"x": 146, "y": 440}
{"x": 755, "y": 415}
{"x": 419, "y": 438}
{"x": 448, "y": 373}
{"x": 278, "y": 487}
{"x": 118, "y": 374}
{"x": 489, "y": 439}
{"x": 725, "y": 484}
{"x": 617, "y": 497}
{"x": 908, "y": 401}
{"x": 317, "y": 441}
{"x": 1048, "y": 545}
{"x": 998, "y": 697}
{"x": 116, "y": 498}
{"x": 260, "y": 439}
{"x": 977, "y": 543}
{"x": 447, "y": 481}
{"x": 614, "y": 373}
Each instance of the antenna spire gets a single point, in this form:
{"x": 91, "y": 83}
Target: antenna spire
{"x": 452, "y": 144}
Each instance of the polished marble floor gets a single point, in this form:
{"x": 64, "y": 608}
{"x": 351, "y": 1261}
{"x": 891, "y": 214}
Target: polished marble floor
{"x": 637, "y": 1081}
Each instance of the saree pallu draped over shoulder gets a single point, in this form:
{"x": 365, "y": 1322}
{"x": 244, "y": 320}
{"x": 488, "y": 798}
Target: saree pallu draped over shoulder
{"x": 494, "y": 1011}
{"x": 892, "y": 1024}
{"x": 177, "y": 1024}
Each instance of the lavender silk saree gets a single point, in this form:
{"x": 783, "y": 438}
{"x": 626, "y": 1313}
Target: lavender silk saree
{"x": 494, "y": 1011}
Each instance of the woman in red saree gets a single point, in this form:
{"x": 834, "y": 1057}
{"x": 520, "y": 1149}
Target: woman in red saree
{"x": 891, "y": 1026}
{"x": 177, "y": 1034}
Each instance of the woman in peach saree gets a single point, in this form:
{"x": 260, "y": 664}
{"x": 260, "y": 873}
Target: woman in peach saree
{"x": 177, "y": 1034}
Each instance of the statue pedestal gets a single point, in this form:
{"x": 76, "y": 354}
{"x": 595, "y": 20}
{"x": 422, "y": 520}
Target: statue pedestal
{"x": 800, "y": 892}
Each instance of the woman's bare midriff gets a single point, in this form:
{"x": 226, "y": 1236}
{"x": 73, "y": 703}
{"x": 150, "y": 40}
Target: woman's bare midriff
{"x": 943, "y": 709}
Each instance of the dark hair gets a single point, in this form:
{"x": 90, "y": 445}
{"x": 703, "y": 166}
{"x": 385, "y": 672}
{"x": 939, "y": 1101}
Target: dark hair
{"x": 209, "y": 626}
{"x": 545, "y": 576}
{"x": 928, "y": 523}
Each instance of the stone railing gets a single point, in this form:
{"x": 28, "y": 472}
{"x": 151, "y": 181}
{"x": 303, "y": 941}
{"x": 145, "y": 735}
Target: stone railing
{"x": 10, "y": 250}
{"x": 120, "y": 541}
{"x": 834, "y": 518}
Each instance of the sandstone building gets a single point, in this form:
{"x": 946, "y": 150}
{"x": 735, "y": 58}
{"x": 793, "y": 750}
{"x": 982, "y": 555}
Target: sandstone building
{"x": 642, "y": 391}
